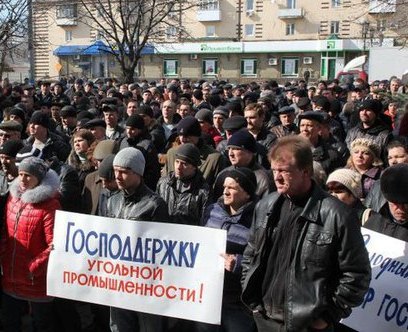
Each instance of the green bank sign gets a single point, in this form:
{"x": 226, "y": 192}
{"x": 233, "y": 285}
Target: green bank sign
{"x": 211, "y": 48}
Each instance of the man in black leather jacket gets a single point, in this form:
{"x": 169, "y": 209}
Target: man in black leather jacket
{"x": 305, "y": 265}
{"x": 134, "y": 201}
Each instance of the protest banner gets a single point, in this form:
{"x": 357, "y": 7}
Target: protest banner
{"x": 385, "y": 307}
{"x": 158, "y": 268}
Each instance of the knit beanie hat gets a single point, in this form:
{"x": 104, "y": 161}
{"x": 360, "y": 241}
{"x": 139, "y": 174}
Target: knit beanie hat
{"x": 18, "y": 112}
{"x": 135, "y": 121}
{"x": 394, "y": 184}
{"x": 40, "y": 118}
{"x": 34, "y": 166}
{"x": 348, "y": 178}
{"x": 130, "y": 158}
{"x": 145, "y": 110}
{"x": 245, "y": 178}
{"x": 371, "y": 104}
{"x": 11, "y": 147}
{"x": 368, "y": 144}
{"x": 189, "y": 153}
{"x": 105, "y": 169}
{"x": 189, "y": 126}
{"x": 242, "y": 139}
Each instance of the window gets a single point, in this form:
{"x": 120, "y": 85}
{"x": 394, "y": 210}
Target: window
{"x": 249, "y": 30}
{"x": 99, "y": 35}
{"x": 170, "y": 67}
{"x": 334, "y": 27}
{"x": 290, "y": 66}
{"x": 67, "y": 11}
{"x": 291, "y": 4}
{"x": 171, "y": 32}
{"x": 336, "y": 3}
{"x": 250, "y": 5}
{"x": 210, "y": 31}
{"x": 210, "y": 67}
{"x": 68, "y": 36}
{"x": 209, "y": 5}
{"x": 290, "y": 29}
{"x": 248, "y": 67}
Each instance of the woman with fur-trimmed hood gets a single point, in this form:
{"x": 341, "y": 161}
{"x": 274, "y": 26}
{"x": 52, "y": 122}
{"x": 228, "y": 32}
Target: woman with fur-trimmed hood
{"x": 26, "y": 244}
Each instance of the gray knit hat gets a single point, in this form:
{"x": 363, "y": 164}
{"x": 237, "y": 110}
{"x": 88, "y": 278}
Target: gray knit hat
{"x": 348, "y": 178}
{"x": 130, "y": 158}
{"x": 34, "y": 166}
{"x": 189, "y": 153}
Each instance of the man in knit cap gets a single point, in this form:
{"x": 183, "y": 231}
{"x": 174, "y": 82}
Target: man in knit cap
{"x": 189, "y": 131}
{"x": 134, "y": 201}
{"x": 185, "y": 190}
{"x": 43, "y": 143}
{"x": 242, "y": 150}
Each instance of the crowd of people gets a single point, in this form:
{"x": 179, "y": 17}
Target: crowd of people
{"x": 291, "y": 172}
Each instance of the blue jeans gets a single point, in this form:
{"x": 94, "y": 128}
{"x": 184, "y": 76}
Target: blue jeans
{"x": 13, "y": 310}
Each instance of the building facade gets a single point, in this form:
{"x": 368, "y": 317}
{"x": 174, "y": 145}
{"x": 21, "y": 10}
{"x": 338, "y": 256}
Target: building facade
{"x": 236, "y": 40}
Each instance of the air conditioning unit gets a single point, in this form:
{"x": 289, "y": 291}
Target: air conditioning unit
{"x": 307, "y": 60}
{"x": 250, "y": 12}
{"x": 272, "y": 61}
{"x": 193, "y": 56}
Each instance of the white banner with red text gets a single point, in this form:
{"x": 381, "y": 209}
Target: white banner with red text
{"x": 158, "y": 268}
{"x": 385, "y": 306}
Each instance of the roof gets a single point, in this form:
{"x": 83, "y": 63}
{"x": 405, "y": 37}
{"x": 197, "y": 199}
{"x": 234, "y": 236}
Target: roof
{"x": 70, "y": 50}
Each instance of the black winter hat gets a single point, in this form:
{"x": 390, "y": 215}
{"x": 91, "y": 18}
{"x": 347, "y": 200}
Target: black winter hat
{"x": 105, "y": 169}
{"x": 41, "y": 119}
{"x": 135, "y": 121}
{"x": 394, "y": 184}
{"x": 189, "y": 153}
{"x": 371, "y": 104}
{"x": 68, "y": 111}
{"x": 18, "y": 112}
{"x": 145, "y": 110}
{"x": 189, "y": 126}
{"x": 245, "y": 177}
{"x": 242, "y": 139}
{"x": 11, "y": 147}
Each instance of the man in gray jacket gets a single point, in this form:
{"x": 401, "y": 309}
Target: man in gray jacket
{"x": 134, "y": 201}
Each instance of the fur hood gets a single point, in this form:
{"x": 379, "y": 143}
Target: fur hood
{"x": 47, "y": 189}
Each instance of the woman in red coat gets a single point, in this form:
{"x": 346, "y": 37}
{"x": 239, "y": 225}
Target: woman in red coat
{"x": 26, "y": 243}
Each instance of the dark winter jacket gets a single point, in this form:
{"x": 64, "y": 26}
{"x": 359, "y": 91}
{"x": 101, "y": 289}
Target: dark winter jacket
{"x": 238, "y": 227}
{"x": 185, "y": 204}
{"x": 142, "y": 205}
{"x": 330, "y": 271}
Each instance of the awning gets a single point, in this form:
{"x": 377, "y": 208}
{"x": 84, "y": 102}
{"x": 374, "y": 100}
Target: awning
{"x": 69, "y": 50}
{"x": 97, "y": 48}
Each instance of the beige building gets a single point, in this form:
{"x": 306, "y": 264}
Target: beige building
{"x": 236, "y": 40}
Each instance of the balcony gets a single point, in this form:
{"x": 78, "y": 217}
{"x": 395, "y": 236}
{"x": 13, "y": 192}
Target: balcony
{"x": 67, "y": 21}
{"x": 209, "y": 15}
{"x": 290, "y": 13}
{"x": 382, "y": 6}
